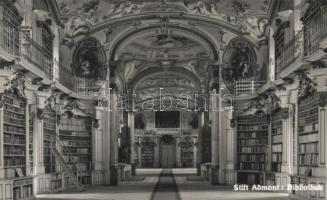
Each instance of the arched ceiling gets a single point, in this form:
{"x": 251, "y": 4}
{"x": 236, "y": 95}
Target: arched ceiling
{"x": 142, "y": 37}
{"x": 247, "y": 15}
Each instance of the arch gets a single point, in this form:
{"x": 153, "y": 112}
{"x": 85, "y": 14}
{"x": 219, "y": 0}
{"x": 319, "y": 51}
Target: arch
{"x": 89, "y": 60}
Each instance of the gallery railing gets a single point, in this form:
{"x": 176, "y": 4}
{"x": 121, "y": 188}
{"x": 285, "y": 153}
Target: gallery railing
{"x": 88, "y": 87}
{"x": 290, "y": 53}
{"x": 34, "y": 53}
{"x": 246, "y": 87}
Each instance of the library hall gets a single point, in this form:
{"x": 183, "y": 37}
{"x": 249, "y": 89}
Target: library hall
{"x": 163, "y": 99}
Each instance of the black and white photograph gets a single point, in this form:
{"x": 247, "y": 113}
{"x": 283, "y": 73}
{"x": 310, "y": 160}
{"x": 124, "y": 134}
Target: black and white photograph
{"x": 163, "y": 99}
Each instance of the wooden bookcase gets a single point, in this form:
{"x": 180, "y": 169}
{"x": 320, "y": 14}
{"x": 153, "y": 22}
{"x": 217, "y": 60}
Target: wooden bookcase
{"x": 75, "y": 134}
{"x": 14, "y": 136}
{"x": 18, "y": 186}
{"x": 276, "y": 140}
{"x": 187, "y": 151}
{"x": 31, "y": 142}
{"x": 252, "y": 144}
{"x": 49, "y": 138}
{"x": 308, "y": 138}
{"x": 147, "y": 152}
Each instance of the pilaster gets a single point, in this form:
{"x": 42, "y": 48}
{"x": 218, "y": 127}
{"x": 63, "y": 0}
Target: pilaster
{"x": 214, "y": 137}
{"x": 131, "y": 125}
{"x": 178, "y": 152}
{"x": 156, "y": 152}
{"x": 97, "y": 146}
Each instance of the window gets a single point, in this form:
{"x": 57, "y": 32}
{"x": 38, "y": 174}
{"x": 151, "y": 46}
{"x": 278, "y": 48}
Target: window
{"x": 10, "y": 24}
{"x": 47, "y": 47}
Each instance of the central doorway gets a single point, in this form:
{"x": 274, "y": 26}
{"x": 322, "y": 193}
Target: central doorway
{"x": 168, "y": 155}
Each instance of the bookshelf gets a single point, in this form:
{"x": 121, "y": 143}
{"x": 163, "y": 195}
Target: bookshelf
{"x": 30, "y": 142}
{"x": 187, "y": 152}
{"x": 147, "y": 152}
{"x": 276, "y": 140}
{"x": 14, "y": 148}
{"x": 14, "y": 137}
{"x": 75, "y": 134}
{"x": 252, "y": 143}
{"x": 49, "y": 138}
{"x": 308, "y": 138}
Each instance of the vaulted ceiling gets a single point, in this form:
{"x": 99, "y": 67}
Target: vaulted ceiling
{"x": 147, "y": 38}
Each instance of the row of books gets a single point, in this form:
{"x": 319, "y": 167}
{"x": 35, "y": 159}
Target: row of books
{"x": 20, "y": 122}
{"x": 251, "y": 134}
{"x": 308, "y": 159}
{"x": 49, "y": 126}
{"x": 14, "y": 129}
{"x": 309, "y": 148}
{"x": 276, "y": 148}
{"x": 13, "y": 115}
{"x": 14, "y": 109}
{"x": 25, "y": 181}
{"x": 309, "y": 112}
{"x": 14, "y": 150}
{"x": 277, "y": 138}
{"x": 49, "y": 132}
{"x": 276, "y": 131}
{"x": 247, "y": 119}
{"x": 276, "y": 167}
{"x": 74, "y": 133}
{"x": 82, "y": 143}
{"x": 251, "y": 166}
{"x": 14, "y": 161}
{"x": 260, "y": 141}
{"x": 308, "y": 120}
{"x": 254, "y": 149}
{"x": 252, "y": 158}
{"x": 252, "y": 128}
{"x": 276, "y": 157}
{"x": 25, "y": 192}
{"x": 69, "y": 127}
{"x": 79, "y": 150}
{"x": 14, "y": 139}
{"x": 12, "y": 172}
{"x": 76, "y": 159}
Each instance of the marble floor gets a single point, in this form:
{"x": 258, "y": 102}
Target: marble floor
{"x": 168, "y": 184}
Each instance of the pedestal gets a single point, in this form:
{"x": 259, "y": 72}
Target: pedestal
{"x": 214, "y": 174}
{"x": 114, "y": 175}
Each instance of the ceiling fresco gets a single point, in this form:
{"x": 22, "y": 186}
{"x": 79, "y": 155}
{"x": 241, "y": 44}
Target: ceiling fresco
{"x": 247, "y": 15}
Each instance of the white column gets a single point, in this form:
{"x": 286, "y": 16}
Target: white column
{"x": 230, "y": 171}
{"x": 1, "y": 145}
{"x": 322, "y": 134}
{"x": 195, "y": 151}
{"x": 271, "y": 70}
{"x": 178, "y": 152}
{"x": 156, "y": 152}
{"x": 106, "y": 155}
{"x": 97, "y": 148}
{"x": 113, "y": 141}
{"x": 214, "y": 137}
{"x": 131, "y": 125}
{"x": 139, "y": 152}
{"x": 27, "y": 133}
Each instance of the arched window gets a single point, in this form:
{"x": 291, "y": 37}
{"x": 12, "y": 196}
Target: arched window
{"x": 10, "y": 24}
